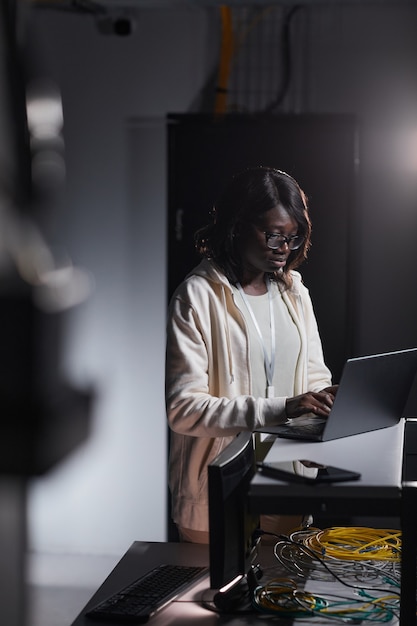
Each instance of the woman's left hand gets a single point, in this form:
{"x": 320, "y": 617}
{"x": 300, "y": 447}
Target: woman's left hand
{"x": 331, "y": 390}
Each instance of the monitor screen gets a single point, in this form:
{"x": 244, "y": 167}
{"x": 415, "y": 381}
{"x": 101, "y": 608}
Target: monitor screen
{"x": 232, "y": 545}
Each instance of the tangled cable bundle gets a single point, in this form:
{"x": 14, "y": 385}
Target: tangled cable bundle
{"x": 365, "y": 560}
{"x": 282, "y": 598}
{"x": 355, "y": 543}
{"x": 362, "y": 554}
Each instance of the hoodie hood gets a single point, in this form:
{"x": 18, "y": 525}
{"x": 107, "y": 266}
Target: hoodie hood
{"x": 209, "y": 270}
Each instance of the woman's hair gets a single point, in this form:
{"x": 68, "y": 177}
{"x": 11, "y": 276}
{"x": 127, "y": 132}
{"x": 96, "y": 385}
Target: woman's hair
{"x": 249, "y": 195}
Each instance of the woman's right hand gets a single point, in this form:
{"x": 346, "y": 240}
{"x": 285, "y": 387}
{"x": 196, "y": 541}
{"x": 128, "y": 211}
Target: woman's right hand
{"x": 319, "y": 403}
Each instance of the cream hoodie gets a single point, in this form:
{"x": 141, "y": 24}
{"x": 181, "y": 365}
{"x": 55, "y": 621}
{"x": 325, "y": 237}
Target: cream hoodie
{"x": 208, "y": 381}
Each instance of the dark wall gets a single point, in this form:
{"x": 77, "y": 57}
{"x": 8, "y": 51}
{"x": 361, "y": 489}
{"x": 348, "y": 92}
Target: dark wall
{"x": 319, "y": 151}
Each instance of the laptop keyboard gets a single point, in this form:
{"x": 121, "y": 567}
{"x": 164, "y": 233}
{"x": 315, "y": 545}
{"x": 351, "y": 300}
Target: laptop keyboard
{"x": 307, "y": 426}
{"x": 137, "y": 602}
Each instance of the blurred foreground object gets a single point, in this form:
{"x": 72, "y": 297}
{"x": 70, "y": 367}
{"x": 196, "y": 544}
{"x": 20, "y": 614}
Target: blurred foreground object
{"x": 43, "y": 417}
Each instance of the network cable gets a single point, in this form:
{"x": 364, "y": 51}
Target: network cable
{"x": 361, "y": 559}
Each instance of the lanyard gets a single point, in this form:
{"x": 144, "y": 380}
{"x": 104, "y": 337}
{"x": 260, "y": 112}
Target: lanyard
{"x": 269, "y": 363}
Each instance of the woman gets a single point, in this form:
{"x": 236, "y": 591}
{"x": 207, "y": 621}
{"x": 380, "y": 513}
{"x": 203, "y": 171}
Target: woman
{"x": 243, "y": 348}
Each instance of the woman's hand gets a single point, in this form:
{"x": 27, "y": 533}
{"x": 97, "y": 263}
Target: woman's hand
{"x": 319, "y": 403}
{"x": 332, "y": 390}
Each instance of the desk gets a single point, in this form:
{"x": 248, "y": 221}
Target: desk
{"x": 141, "y": 557}
{"x": 378, "y": 456}
{"x": 188, "y": 610}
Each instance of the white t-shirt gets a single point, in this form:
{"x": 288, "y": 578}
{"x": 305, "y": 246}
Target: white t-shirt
{"x": 287, "y": 342}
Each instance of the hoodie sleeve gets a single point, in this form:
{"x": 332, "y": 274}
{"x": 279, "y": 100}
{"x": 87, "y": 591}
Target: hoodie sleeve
{"x": 205, "y": 397}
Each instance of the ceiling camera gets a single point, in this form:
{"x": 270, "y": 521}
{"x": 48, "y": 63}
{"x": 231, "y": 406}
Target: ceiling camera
{"x": 120, "y": 25}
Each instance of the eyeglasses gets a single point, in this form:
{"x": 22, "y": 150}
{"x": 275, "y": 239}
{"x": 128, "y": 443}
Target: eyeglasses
{"x": 275, "y": 241}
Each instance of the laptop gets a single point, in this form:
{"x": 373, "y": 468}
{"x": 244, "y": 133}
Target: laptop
{"x": 372, "y": 394}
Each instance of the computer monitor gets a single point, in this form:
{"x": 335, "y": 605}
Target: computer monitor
{"x": 232, "y": 526}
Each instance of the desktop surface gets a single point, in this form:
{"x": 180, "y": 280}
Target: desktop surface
{"x": 376, "y": 455}
{"x": 139, "y": 559}
{"x": 193, "y": 607}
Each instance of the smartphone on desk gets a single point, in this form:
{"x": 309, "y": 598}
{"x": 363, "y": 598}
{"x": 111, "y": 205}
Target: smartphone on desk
{"x": 305, "y": 471}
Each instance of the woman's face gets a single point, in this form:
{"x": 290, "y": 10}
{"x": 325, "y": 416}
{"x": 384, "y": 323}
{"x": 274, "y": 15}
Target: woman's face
{"x": 256, "y": 256}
